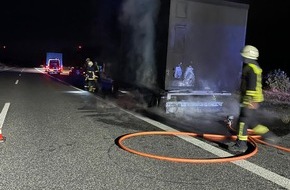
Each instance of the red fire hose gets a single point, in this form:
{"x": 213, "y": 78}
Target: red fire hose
{"x": 212, "y": 137}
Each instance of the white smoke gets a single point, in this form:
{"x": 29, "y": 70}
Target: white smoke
{"x": 140, "y": 16}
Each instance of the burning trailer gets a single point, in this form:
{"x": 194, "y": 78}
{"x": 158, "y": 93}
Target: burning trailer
{"x": 185, "y": 52}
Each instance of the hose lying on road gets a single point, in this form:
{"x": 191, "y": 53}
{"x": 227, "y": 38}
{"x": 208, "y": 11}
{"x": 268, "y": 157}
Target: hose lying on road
{"x": 211, "y": 137}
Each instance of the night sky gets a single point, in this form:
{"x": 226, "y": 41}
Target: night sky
{"x": 42, "y": 20}
{"x": 268, "y": 30}
{"x": 30, "y": 28}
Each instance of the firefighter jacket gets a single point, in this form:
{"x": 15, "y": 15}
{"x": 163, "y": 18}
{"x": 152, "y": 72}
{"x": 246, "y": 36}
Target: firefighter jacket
{"x": 251, "y": 83}
{"x": 91, "y": 72}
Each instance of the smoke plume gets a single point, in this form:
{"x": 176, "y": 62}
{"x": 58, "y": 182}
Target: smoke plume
{"x": 139, "y": 17}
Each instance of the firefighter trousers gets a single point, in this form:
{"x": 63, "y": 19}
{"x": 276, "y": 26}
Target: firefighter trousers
{"x": 248, "y": 120}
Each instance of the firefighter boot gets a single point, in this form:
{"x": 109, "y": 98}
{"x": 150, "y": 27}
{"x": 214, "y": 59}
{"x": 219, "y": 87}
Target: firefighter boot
{"x": 239, "y": 147}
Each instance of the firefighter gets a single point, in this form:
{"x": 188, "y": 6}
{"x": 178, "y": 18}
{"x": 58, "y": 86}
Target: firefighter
{"x": 90, "y": 76}
{"x": 251, "y": 97}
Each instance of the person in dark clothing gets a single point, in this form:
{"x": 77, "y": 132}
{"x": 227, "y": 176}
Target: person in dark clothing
{"x": 90, "y": 76}
{"x": 251, "y": 96}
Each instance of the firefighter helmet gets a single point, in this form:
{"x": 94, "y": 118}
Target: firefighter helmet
{"x": 90, "y": 63}
{"x": 250, "y": 52}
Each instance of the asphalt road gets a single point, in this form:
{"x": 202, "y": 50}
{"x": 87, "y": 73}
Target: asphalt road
{"x": 61, "y": 137}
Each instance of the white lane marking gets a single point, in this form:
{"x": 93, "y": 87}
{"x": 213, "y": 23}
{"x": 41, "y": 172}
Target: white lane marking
{"x": 3, "y": 114}
{"x": 75, "y": 92}
{"x": 16, "y": 82}
{"x": 262, "y": 172}
{"x": 40, "y": 70}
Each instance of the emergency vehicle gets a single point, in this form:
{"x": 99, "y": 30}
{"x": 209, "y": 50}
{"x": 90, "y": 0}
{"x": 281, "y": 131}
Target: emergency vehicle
{"x": 54, "y": 63}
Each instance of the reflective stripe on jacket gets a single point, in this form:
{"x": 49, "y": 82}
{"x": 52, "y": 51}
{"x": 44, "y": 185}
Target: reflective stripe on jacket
{"x": 251, "y": 87}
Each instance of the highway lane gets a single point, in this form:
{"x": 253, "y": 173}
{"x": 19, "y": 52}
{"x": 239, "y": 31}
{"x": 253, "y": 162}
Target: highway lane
{"x": 60, "y": 137}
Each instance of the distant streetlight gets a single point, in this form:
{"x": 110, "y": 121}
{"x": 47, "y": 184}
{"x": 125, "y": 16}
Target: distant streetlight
{"x": 80, "y": 47}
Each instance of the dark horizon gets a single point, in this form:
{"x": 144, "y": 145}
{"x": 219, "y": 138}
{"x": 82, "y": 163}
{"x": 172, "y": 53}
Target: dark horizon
{"x": 29, "y": 31}
{"x": 34, "y": 27}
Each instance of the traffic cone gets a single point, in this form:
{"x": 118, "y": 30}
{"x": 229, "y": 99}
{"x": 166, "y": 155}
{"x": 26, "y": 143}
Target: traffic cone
{"x": 2, "y": 138}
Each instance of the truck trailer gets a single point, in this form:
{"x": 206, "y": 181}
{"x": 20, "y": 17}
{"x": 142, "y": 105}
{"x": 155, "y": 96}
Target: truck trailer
{"x": 187, "y": 49}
